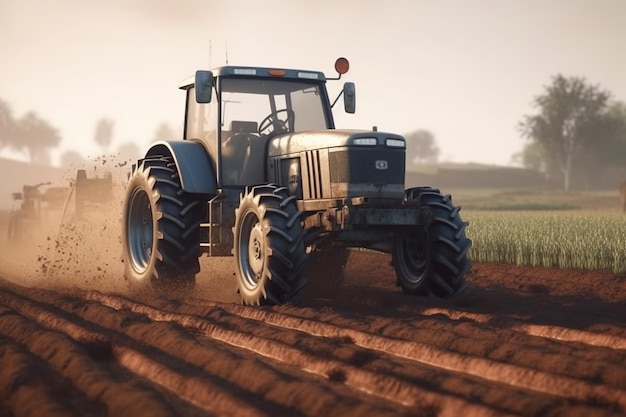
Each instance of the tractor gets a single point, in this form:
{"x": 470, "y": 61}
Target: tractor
{"x": 261, "y": 174}
{"x": 36, "y": 202}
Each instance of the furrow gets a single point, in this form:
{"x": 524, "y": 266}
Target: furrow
{"x": 30, "y": 387}
{"x": 558, "y": 333}
{"x": 504, "y": 373}
{"x": 379, "y": 385}
{"x": 280, "y": 392}
{"x": 199, "y": 392}
{"x": 121, "y": 397}
{"x": 505, "y": 398}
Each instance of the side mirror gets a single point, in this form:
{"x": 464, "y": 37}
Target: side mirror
{"x": 203, "y": 86}
{"x": 17, "y": 196}
{"x": 349, "y": 97}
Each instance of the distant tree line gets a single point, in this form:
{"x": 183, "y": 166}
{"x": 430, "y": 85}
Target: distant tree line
{"x": 37, "y": 137}
{"x": 29, "y": 133}
{"x": 577, "y": 132}
{"x": 421, "y": 147}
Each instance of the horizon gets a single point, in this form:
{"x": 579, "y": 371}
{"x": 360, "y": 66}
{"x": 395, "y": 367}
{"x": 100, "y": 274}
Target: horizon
{"x": 465, "y": 71}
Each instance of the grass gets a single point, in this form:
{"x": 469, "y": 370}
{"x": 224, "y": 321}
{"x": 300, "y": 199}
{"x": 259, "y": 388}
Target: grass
{"x": 523, "y": 199}
{"x": 585, "y": 239}
{"x": 540, "y": 227}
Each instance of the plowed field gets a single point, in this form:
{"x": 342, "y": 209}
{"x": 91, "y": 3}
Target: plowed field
{"x": 520, "y": 341}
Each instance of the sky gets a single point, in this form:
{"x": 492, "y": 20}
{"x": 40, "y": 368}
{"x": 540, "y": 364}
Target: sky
{"x": 466, "y": 70}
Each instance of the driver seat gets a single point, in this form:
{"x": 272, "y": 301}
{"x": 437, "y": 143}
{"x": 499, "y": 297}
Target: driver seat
{"x": 241, "y": 127}
{"x": 236, "y": 148}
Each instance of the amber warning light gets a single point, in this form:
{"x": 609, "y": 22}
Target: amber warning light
{"x": 277, "y": 72}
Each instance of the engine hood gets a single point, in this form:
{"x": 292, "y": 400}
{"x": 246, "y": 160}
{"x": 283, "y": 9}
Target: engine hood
{"x": 291, "y": 143}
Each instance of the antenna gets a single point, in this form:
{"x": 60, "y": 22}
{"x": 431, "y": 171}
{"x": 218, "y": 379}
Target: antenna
{"x": 226, "y": 49}
{"x": 210, "y": 53}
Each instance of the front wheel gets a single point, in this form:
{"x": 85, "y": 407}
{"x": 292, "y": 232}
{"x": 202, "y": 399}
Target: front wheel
{"x": 160, "y": 228}
{"x": 432, "y": 260}
{"x": 269, "y": 246}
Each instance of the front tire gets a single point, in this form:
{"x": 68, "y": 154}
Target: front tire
{"x": 269, "y": 246}
{"x": 160, "y": 228}
{"x": 433, "y": 260}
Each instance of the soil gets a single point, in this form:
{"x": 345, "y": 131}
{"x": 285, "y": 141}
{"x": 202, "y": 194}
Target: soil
{"x": 520, "y": 341}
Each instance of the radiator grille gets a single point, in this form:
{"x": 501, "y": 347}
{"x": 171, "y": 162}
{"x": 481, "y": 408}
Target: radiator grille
{"x": 367, "y": 166}
{"x": 314, "y": 174}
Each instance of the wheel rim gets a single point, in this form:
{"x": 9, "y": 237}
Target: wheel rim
{"x": 414, "y": 256}
{"x": 251, "y": 251}
{"x": 140, "y": 230}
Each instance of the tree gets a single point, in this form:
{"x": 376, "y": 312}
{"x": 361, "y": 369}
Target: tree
{"x": 7, "y": 126}
{"x": 421, "y": 147}
{"x": 570, "y": 115}
{"x": 104, "y": 133}
{"x": 36, "y": 136}
{"x": 613, "y": 151}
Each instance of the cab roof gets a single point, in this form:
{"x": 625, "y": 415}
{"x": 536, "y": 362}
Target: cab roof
{"x": 261, "y": 72}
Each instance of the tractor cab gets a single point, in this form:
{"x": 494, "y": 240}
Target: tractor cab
{"x": 236, "y": 111}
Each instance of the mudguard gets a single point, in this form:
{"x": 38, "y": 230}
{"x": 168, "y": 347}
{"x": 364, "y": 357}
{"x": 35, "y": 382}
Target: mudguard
{"x": 194, "y": 166}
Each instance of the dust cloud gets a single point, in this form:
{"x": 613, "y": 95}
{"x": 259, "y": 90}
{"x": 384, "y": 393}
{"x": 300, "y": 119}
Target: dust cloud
{"x": 67, "y": 233}
{"x": 73, "y": 238}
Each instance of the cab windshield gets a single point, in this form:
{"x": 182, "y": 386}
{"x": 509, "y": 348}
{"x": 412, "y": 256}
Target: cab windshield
{"x": 268, "y": 107}
{"x": 255, "y": 110}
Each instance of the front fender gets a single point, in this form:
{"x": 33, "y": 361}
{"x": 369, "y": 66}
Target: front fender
{"x": 193, "y": 163}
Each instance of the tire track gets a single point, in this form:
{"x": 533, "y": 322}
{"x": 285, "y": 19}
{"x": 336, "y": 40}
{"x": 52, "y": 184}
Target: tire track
{"x": 557, "y": 333}
{"x": 95, "y": 380}
{"x": 30, "y": 387}
{"x": 210, "y": 397}
{"x": 504, "y": 373}
{"x": 379, "y": 385}
{"x": 198, "y": 350}
{"x": 146, "y": 335}
{"x": 600, "y": 365}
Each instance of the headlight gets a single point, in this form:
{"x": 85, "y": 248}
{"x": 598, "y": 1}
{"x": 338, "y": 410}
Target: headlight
{"x": 365, "y": 141}
{"x": 394, "y": 143}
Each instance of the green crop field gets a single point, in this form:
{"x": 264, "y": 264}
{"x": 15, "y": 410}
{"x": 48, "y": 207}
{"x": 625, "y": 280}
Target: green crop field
{"x": 582, "y": 229}
{"x": 584, "y": 239}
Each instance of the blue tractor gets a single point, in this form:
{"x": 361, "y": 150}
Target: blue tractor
{"x": 262, "y": 175}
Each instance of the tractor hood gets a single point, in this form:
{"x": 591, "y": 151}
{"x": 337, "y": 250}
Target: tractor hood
{"x": 339, "y": 164}
{"x": 325, "y": 139}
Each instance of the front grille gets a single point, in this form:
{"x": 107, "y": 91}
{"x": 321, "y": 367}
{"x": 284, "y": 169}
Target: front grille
{"x": 375, "y": 165}
{"x": 314, "y": 173}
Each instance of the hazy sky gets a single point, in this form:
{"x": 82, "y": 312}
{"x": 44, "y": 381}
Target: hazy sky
{"x": 467, "y": 70}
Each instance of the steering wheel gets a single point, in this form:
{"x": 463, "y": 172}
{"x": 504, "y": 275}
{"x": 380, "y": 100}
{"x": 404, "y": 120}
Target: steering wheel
{"x": 276, "y": 124}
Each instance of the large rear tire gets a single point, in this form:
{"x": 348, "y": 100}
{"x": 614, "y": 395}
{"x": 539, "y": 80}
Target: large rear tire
{"x": 269, "y": 246}
{"x": 160, "y": 228}
{"x": 433, "y": 260}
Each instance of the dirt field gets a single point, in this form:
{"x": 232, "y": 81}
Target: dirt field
{"x": 520, "y": 341}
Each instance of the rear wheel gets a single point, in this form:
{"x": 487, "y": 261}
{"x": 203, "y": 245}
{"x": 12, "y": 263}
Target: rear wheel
{"x": 433, "y": 260}
{"x": 160, "y": 228}
{"x": 269, "y": 246}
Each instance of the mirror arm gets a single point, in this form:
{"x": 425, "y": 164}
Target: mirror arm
{"x": 337, "y": 99}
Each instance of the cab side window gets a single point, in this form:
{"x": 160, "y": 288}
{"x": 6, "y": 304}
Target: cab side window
{"x": 202, "y": 121}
